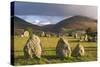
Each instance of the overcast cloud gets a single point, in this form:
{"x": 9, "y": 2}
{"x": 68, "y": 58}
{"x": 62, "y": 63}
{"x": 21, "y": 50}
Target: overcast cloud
{"x": 51, "y": 13}
{"x": 28, "y": 8}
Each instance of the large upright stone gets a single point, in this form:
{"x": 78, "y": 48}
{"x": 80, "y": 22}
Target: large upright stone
{"x": 78, "y": 51}
{"x": 32, "y": 47}
{"x": 63, "y": 48}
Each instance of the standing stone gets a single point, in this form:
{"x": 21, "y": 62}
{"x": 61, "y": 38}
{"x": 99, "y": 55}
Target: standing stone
{"x": 42, "y": 34}
{"x": 86, "y": 38}
{"x": 82, "y": 38}
{"x": 47, "y": 35}
{"x": 78, "y": 51}
{"x": 75, "y": 35}
{"x": 63, "y": 48}
{"x": 26, "y": 34}
{"x": 90, "y": 39}
{"x": 33, "y": 48}
{"x": 22, "y": 35}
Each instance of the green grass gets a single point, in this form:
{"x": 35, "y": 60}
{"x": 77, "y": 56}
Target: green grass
{"x": 49, "y": 54}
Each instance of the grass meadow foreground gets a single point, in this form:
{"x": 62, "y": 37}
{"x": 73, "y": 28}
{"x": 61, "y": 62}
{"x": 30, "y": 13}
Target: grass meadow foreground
{"x": 49, "y": 53}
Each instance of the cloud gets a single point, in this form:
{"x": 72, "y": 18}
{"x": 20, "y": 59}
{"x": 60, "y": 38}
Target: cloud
{"x": 28, "y": 8}
{"x": 38, "y": 22}
{"x": 38, "y": 19}
{"x": 43, "y": 23}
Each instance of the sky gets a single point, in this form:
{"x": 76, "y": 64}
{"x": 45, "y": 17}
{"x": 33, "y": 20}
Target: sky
{"x": 42, "y": 20}
{"x": 43, "y": 13}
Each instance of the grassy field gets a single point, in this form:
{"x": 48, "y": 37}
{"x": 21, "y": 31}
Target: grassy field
{"x": 49, "y": 54}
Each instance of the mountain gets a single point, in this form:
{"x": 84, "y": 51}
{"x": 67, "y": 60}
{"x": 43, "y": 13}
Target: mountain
{"x": 22, "y": 24}
{"x": 75, "y": 23}
{"x": 48, "y": 27}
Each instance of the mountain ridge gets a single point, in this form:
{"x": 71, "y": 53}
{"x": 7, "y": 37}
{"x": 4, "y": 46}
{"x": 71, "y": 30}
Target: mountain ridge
{"x": 74, "y": 22}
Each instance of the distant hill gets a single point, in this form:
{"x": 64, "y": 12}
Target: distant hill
{"x": 22, "y": 24}
{"x": 75, "y": 22}
{"x": 48, "y": 27}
